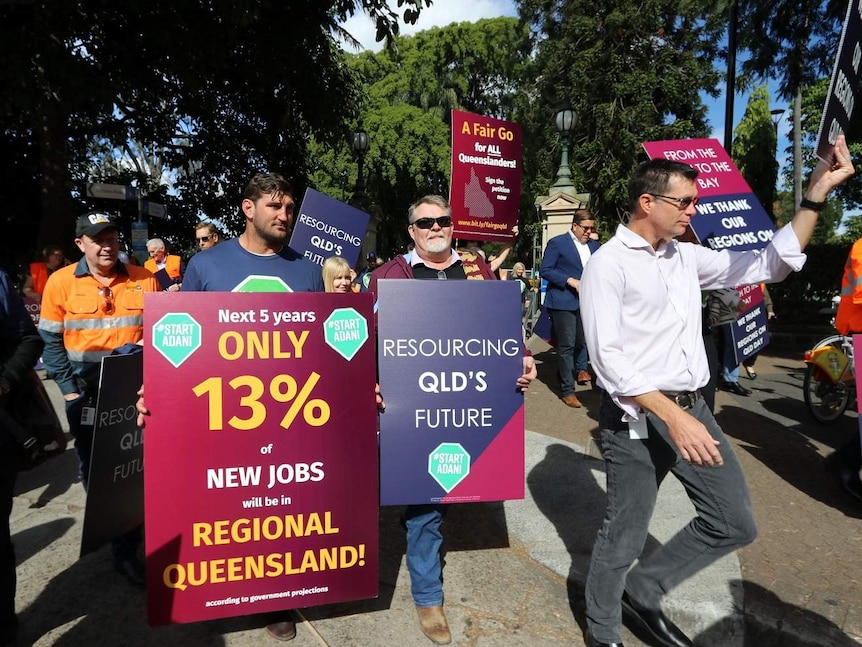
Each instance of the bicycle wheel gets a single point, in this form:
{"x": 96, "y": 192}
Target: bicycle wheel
{"x": 826, "y": 400}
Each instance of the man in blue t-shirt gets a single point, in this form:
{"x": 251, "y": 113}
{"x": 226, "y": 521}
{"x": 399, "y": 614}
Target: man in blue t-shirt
{"x": 259, "y": 260}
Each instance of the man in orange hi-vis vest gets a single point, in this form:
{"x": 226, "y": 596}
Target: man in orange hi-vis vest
{"x": 846, "y": 461}
{"x": 88, "y": 310}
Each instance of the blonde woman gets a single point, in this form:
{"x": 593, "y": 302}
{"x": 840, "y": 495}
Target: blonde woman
{"x": 336, "y": 275}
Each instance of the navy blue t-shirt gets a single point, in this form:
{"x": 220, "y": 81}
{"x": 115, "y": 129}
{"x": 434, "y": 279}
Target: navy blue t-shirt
{"x": 228, "y": 267}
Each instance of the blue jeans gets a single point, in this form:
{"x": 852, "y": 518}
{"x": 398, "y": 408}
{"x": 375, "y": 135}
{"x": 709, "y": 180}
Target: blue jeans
{"x": 423, "y": 553}
{"x": 729, "y": 365}
{"x": 571, "y": 347}
{"x": 635, "y": 469}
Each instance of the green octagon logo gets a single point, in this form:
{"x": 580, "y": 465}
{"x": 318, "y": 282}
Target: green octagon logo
{"x": 345, "y": 331}
{"x": 257, "y": 283}
{"x": 176, "y": 336}
{"x": 449, "y": 464}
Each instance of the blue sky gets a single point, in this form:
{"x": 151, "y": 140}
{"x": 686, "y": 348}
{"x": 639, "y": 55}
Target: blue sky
{"x": 444, "y": 12}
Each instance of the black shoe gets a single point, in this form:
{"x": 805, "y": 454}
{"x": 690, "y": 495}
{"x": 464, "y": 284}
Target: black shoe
{"x": 750, "y": 373}
{"x": 846, "y": 477}
{"x": 733, "y": 387}
{"x": 592, "y": 642}
{"x": 654, "y": 623}
{"x": 133, "y": 571}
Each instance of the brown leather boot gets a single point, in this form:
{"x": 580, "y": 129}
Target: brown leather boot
{"x": 572, "y": 401}
{"x": 433, "y": 623}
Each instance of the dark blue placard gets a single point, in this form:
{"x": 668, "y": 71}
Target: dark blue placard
{"x": 736, "y": 221}
{"x": 844, "y": 84}
{"x": 115, "y": 497}
{"x": 325, "y": 227}
{"x": 421, "y": 325}
{"x": 749, "y": 332}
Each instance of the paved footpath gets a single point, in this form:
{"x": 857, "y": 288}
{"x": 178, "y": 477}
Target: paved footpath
{"x": 802, "y": 577}
{"x": 514, "y": 571}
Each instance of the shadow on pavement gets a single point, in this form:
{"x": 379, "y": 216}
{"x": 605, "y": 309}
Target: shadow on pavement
{"x": 565, "y": 490}
{"x": 789, "y": 452}
{"x": 58, "y": 474}
{"x": 466, "y": 526}
{"x": 771, "y": 622}
{"x": 105, "y": 610}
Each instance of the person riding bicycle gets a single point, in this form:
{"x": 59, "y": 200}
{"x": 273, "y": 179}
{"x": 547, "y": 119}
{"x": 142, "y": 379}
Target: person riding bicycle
{"x": 846, "y": 462}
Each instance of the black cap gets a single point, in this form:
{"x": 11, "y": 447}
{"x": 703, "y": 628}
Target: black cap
{"x": 93, "y": 223}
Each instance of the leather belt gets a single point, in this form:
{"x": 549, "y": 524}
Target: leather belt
{"x": 684, "y": 399}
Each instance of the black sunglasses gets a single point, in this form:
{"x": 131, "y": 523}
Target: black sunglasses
{"x": 204, "y": 239}
{"x": 682, "y": 203}
{"x": 427, "y": 223}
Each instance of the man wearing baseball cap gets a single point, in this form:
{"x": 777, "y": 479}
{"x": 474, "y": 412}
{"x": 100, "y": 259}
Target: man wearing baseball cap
{"x": 89, "y": 309}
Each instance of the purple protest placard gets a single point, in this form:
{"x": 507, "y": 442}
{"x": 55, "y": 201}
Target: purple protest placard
{"x": 729, "y": 216}
{"x": 449, "y": 356}
{"x": 485, "y": 186}
{"x": 261, "y": 454}
{"x": 325, "y": 227}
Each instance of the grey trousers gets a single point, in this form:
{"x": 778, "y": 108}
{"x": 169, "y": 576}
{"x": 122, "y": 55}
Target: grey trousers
{"x": 635, "y": 469}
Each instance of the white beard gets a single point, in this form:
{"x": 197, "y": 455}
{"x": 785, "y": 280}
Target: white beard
{"x": 437, "y": 245}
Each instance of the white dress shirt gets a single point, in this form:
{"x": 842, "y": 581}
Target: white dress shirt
{"x": 583, "y": 249}
{"x": 641, "y": 308}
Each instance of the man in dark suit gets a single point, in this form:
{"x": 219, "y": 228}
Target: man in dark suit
{"x": 562, "y": 265}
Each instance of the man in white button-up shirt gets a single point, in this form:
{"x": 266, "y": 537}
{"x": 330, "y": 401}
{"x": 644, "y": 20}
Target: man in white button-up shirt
{"x": 641, "y": 305}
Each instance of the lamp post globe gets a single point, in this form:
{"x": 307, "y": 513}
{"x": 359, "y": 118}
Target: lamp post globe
{"x": 565, "y": 120}
{"x": 360, "y": 144}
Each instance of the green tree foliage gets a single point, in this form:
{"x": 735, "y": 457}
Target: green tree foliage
{"x": 216, "y": 89}
{"x": 408, "y": 95}
{"x": 755, "y": 145}
{"x": 632, "y": 71}
{"x": 792, "y": 41}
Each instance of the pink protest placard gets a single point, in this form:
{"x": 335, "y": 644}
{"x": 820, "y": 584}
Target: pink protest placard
{"x": 717, "y": 174}
{"x": 261, "y": 477}
{"x": 485, "y": 187}
{"x": 729, "y": 216}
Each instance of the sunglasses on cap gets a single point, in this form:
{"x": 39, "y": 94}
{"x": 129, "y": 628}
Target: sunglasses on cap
{"x": 428, "y": 223}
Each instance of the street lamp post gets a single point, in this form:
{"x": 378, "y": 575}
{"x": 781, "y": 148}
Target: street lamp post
{"x": 360, "y": 146}
{"x": 776, "y": 113}
{"x": 565, "y": 121}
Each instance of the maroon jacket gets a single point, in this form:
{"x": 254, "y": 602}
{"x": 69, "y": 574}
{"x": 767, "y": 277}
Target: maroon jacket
{"x": 474, "y": 265}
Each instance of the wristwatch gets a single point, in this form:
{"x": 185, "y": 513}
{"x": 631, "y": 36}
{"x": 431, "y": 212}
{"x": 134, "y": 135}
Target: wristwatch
{"x": 805, "y": 203}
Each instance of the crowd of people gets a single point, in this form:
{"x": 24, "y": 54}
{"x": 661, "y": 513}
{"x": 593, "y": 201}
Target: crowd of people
{"x": 627, "y": 316}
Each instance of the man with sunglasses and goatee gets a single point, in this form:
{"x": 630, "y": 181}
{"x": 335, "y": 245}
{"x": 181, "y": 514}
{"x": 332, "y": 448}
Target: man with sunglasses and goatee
{"x": 429, "y": 223}
{"x": 89, "y": 309}
{"x": 563, "y": 262}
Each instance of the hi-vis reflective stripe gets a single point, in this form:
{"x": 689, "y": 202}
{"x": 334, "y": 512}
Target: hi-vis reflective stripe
{"x": 851, "y": 281}
{"x": 105, "y": 323}
{"x": 87, "y": 355}
{"x": 51, "y": 326}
